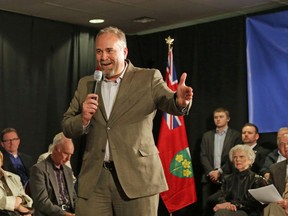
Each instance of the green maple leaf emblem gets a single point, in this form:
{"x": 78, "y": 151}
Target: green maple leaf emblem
{"x": 181, "y": 165}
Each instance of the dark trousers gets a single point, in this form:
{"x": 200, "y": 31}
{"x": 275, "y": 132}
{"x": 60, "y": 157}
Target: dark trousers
{"x": 224, "y": 212}
{"x": 209, "y": 197}
{"x": 9, "y": 213}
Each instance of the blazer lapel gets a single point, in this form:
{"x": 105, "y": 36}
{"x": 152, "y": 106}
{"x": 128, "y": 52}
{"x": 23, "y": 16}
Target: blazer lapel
{"x": 122, "y": 103}
{"x": 227, "y": 140}
{"x": 211, "y": 143}
{"x": 101, "y": 106}
{"x": 282, "y": 179}
{"x": 69, "y": 183}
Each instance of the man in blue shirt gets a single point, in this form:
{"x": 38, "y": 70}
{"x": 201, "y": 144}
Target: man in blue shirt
{"x": 14, "y": 161}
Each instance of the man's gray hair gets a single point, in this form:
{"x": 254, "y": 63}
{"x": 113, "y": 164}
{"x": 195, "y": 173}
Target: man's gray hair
{"x": 279, "y": 132}
{"x": 116, "y": 31}
{"x": 58, "y": 139}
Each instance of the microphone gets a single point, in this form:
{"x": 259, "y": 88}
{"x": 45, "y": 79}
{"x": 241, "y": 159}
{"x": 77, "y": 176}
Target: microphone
{"x": 97, "y": 78}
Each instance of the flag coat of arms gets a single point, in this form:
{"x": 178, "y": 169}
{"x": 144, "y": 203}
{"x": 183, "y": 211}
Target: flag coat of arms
{"x": 175, "y": 154}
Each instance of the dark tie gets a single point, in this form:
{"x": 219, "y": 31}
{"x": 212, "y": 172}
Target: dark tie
{"x": 64, "y": 197}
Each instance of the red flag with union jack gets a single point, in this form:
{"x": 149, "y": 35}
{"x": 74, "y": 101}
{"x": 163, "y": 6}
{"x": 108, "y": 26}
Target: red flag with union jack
{"x": 175, "y": 154}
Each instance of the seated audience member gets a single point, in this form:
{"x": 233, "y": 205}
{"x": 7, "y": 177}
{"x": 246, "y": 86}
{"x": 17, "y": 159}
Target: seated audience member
{"x": 46, "y": 154}
{"x": 53, "y": 190}
{"x": 275, "y": 156}
{"x": 250, "y": 135}
{"x": 234, "y": 198}
{"x": 278, "y": 176}
{"x": 13, "y": 199}
{"x": 15, "y": 161}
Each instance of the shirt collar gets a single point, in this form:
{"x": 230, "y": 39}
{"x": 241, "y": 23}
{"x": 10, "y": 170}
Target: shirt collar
{"x": 222, "y": 132}
{"x": 118, "y": 78}
{"x": 12, "y": 155}
{"x": 252, "y": 146}
{"x": 55, "y": 167}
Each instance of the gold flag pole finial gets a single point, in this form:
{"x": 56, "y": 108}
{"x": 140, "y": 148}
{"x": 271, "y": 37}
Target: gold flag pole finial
{"x": 169, "y": 41}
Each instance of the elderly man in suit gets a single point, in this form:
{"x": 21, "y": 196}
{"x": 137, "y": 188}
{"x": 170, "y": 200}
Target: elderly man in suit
{"x": 121, "y": 172}
{"x": 52, "y": 182}
{"x": 214, "y": 155}
{"x": 277, "y": 155}
{"x": 278, "y": 176}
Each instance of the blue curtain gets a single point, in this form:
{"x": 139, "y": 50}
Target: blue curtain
{"x": 267, "y": 60}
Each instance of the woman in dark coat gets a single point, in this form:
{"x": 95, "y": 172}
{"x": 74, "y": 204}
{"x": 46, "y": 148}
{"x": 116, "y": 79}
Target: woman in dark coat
{"x": 235, "y": 200}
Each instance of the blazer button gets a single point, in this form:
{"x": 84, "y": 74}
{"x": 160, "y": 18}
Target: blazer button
{"x": 108, "y": 128}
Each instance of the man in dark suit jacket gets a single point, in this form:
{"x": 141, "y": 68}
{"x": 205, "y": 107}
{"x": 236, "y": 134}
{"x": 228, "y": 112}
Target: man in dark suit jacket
{"x": 15, "y": 161}
{"x": 215, "y": 147}
{"x": 270, "y": 159}
{"x": 121, "y": 169}
{"x": 277, "y": 155}
{"x": 250, "y": 135}
{"x": 52, "y": 181}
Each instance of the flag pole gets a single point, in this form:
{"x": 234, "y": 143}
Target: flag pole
{"x": 176, "y": 159}
{"x": 169, "y": 42}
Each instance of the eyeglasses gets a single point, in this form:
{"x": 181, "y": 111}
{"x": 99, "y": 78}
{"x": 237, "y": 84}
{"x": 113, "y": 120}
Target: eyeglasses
{"x": 10, "y": 140}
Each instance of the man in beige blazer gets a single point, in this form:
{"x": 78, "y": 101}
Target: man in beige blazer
{"x": 121, "y": 172}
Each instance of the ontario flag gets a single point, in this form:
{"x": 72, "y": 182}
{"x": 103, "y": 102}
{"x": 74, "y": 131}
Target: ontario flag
{"x": 175, "y": 154}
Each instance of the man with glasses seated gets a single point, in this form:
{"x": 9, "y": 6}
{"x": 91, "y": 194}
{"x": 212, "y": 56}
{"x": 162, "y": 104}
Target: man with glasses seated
{"x": 15, "y": 161}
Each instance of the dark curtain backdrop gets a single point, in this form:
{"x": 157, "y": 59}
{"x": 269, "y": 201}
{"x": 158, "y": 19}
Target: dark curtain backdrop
{"x": 41, "y": 62}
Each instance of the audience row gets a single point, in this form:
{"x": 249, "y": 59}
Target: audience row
{"x": 234, "y": 162}
{"x": 42, "y": 189}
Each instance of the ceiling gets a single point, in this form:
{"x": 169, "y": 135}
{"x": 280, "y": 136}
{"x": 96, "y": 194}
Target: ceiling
{"x": 168, "y": 14}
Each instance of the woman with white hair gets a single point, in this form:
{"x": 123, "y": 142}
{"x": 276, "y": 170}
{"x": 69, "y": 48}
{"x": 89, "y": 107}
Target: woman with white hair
{"x": 235, "y": 200}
